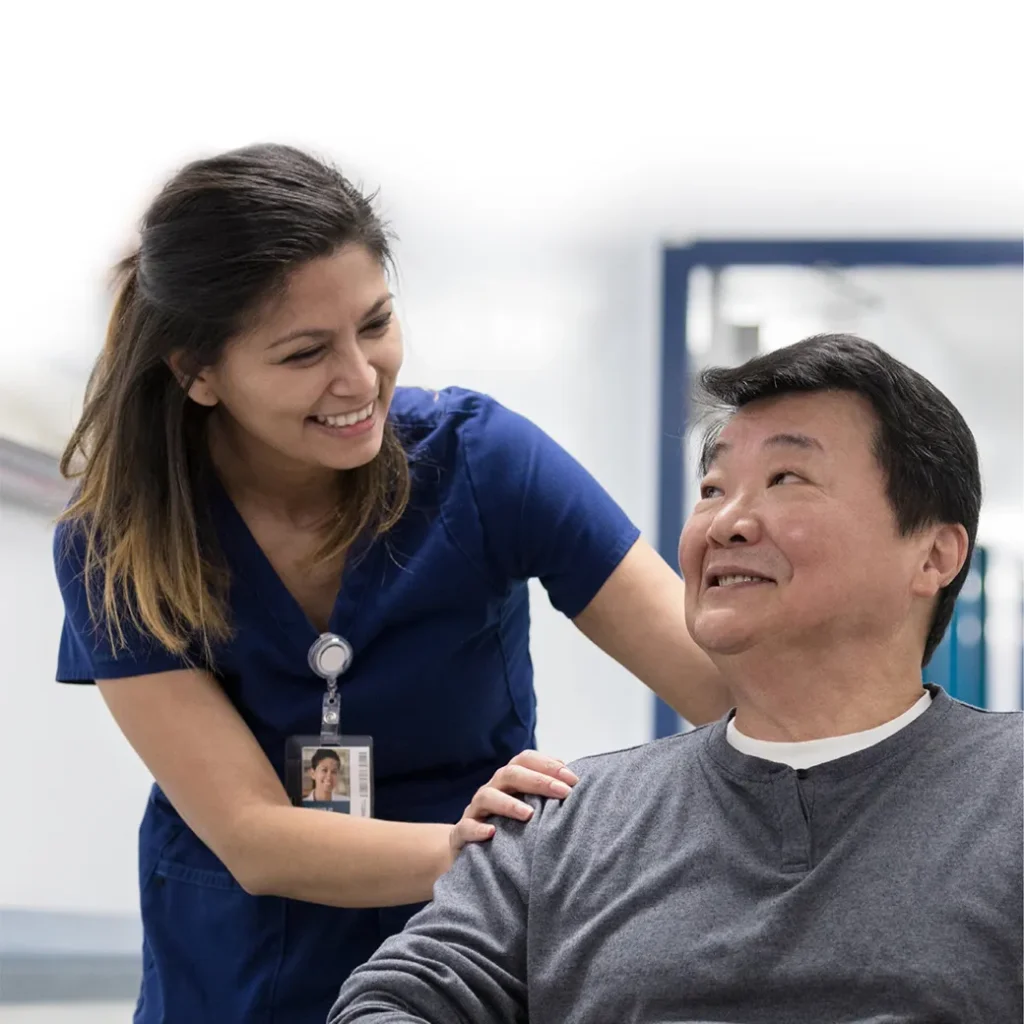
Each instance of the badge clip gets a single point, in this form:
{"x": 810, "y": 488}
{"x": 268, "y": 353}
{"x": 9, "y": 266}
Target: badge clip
{"x": 330, "y": 657}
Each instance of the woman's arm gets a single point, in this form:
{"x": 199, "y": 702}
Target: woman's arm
{"x": 213, "y": 771}
{"x": 545, "y": 517}
{"x": 638, "y": 618}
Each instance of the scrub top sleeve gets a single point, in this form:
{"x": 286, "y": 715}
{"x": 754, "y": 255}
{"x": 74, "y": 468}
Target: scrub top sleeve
{"x": 543, "y": 515}
{"x": 85, "y": 653}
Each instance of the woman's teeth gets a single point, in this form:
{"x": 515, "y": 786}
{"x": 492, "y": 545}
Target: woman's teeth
{"x": 348, "y": 420}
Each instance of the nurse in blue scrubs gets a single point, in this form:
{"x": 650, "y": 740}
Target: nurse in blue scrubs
{"x": 250, "y": 476}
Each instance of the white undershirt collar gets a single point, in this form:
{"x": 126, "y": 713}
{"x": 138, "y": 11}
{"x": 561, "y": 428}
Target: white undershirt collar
{"x": 808, "y": 753}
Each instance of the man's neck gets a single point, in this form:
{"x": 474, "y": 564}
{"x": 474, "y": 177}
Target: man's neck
{"x": 789, "y": 698}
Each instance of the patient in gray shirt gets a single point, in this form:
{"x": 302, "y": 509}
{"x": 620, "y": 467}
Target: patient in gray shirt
{"x": 845, "y": 846}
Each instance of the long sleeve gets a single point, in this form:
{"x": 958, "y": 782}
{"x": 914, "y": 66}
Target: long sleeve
{"x": 463, "y": 957}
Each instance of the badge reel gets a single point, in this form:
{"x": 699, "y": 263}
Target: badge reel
{"x": 331, "y": 771}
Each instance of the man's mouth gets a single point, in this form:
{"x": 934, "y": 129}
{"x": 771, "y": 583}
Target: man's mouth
{"x": 735, "y": 579}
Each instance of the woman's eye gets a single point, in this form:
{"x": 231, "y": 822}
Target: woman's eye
{"x": 379, "y": 325}
{"x": 304, "y": 356}
{"x": 708, "y": 490}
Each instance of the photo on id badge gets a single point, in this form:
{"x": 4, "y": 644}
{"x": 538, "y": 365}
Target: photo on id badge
{"x": 335, "y": 778}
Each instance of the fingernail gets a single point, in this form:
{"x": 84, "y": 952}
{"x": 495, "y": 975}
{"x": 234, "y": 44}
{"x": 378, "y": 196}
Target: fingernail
{"x": 569, "y": 776}
{"x": 560, "y": 789}
{"x": 525, "y": 813}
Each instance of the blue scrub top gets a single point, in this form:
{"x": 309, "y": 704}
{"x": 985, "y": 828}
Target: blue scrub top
{"x": 437, "y": 614}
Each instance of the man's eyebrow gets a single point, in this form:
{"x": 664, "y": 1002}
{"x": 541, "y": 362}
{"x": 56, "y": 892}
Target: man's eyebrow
{"x": 714, "y": 450}
{"x": 804, "y": 441}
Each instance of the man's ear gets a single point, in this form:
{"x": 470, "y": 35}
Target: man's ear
{"x": 199, "y": 387}
{"x": 943, "y": 559}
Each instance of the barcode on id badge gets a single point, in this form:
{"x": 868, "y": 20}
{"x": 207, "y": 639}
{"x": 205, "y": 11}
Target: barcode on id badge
{"x": 363, "y": 783}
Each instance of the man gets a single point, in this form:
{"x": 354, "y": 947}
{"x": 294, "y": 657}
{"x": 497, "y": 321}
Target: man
{"x": 845, "y": 845}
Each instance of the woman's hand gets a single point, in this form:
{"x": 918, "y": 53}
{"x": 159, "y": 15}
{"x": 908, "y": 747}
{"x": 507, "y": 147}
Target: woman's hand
{"x": 528, "y": 772}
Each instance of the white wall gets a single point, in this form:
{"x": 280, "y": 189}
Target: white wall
{"x": 532, "y": 161}
{"x": 71, "y": 789}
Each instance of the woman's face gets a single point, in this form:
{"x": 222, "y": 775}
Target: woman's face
{"x": 310, "y": 384}
{"x": 325, "y": 778}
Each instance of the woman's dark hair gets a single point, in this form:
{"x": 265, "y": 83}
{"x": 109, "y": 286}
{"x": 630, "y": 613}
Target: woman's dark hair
{"x": 924, "y": 446}
{"x": 218, "y": 242}
{"x": 324, "y": 755}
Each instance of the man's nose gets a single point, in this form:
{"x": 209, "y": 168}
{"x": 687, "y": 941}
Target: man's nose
{"x": 735, "y": 522}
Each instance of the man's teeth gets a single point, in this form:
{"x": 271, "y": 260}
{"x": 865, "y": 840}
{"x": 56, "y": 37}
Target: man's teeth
{"x": 348, "y": 419}
{"x": 728, "y": 581}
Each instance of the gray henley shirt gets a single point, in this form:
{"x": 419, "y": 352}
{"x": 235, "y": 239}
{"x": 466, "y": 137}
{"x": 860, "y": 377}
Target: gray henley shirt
{"x": 684, "y": 881}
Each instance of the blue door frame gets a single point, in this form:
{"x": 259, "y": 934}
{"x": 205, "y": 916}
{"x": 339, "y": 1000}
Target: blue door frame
{"x": 678, "y": 261}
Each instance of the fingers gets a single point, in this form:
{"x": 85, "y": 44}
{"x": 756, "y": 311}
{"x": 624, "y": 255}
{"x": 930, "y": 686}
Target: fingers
{"x": 488, "y": 801}
{"x": 535, "y": 761}
{"x": 515, "y": 778}
{"x": 469, "y": 831}
{"x": 527, "y": 773}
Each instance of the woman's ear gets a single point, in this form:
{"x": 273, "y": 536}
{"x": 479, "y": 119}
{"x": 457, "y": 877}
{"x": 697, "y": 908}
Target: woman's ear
{"x": 199, "y": 387}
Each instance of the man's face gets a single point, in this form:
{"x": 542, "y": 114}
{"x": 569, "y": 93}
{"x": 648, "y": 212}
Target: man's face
{"x": 792, "y": 540}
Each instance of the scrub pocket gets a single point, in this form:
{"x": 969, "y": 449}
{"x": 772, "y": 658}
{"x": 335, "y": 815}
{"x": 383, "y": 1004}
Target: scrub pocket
{"x": 212, "y": 950}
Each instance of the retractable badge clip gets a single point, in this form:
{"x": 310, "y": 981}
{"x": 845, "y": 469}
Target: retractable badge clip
{"x": 329, "y": 657}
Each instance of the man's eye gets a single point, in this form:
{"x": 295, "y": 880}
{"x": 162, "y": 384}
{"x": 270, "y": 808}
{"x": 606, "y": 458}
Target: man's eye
{"x": 708, "y": 491}
{"x": 779, "y": 478}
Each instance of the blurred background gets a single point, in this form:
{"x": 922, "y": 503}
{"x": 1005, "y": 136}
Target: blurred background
{"x": 538, "y": 163}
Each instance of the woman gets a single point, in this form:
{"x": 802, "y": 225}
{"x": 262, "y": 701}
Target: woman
{"x": 324, "y": 769}
{"x": 251, "y": 477}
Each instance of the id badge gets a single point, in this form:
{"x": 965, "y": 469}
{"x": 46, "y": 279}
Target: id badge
{"x": 334, "y": 776}
{"x": 330, "y": 771}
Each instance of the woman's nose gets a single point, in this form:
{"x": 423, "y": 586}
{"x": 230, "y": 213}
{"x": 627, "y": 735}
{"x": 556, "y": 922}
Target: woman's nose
{"x": 352, "y": 372}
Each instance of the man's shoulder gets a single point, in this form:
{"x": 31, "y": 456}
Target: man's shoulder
{"x": 623, "y": 789}
{"x": 994, "y": 730}
{"x": 977, "y": 751}
{"x": 637, "y": 761}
